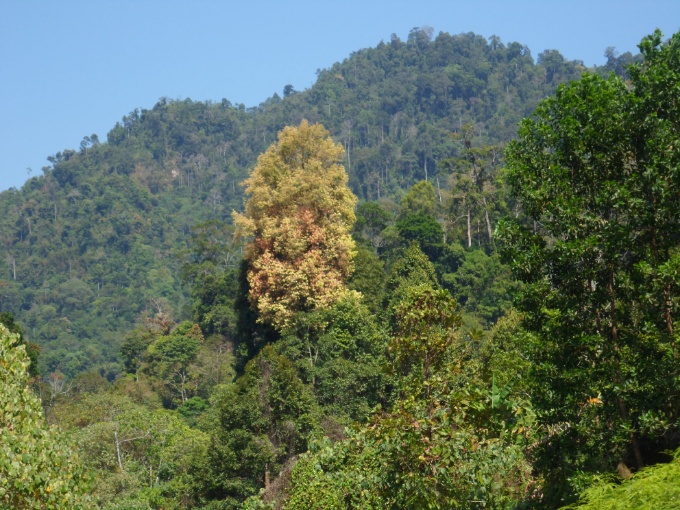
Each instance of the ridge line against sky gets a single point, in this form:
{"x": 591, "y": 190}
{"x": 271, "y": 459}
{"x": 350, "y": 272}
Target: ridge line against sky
{"x": 74, "y": 68}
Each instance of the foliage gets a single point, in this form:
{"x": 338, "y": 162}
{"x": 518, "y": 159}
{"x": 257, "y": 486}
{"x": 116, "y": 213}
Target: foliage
{"x": 32, "y": 350}
{"x": 90, "y": 247}
{"x": 264, "y": 418}
{"x": 595, "y": 171}
{"x": 368, "y": 278}
{"x": 442, "y": 445}
{"x": 340, "y": 352}
{"x": 211, "y": 270}
{"x": 419, "y": 200}
{"x": 170, "y": 361}
{"x": 38, "y": 466}
{"x": 504, "y": 354}
{"x": 427, "y": 321}
{"x": 475, "y": 194}
{"x": 482, "y": 284}
{"x": 94, "y": 252}
{"x": 177, "y": 360}
{"x": 371, "y": 220}
{"x": 299, "y": 211}
{"x": 425, "y": 230}
{"x": 324, "y": 372}
{"x": 136, "y": 452}
{"x": 413, "y": 268}
{"x": 654, "y": 487}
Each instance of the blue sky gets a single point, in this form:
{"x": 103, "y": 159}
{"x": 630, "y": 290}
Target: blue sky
{"x": 72, "y": 68}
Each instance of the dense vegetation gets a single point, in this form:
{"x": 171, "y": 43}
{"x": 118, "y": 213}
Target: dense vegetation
{"x": 95, "y": 245}
{"x": 487, "y": 328}
{"x": 38, "y": 468}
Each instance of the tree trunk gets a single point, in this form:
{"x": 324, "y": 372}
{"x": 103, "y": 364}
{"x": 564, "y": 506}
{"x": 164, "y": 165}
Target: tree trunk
{"x": 486, "y": 217}
{"x": 669, "y": 318}
{"x": 120, "y": 460}
{"x": 623, "y": 410}
{"x": 469, "y": 230}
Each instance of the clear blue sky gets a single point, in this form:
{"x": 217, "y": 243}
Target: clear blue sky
{"x": 72, "y": 68}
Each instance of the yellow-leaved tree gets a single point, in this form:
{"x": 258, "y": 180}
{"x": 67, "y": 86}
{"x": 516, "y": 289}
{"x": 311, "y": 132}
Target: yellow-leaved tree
{"x": 299, "y": 214}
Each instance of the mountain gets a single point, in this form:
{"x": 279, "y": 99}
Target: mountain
{"x": 97, "y": 242}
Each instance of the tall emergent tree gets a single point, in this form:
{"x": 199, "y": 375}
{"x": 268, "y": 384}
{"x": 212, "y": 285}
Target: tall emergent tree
{"x": 597, "y": 171}
{"x": 299, "y": 213}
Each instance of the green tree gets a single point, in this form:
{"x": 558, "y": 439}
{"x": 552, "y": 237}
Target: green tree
{"x": 32, "y": 350}
{"x": 446, "y": 443}
{"x": 371, "y": 220}
{"x": 340, "y": 352}
{"x": 414, "y": 268}
{"x": 211, "y": 269}
{"x": 420, "y": 199}
{"x": 137, "y": 454}
{"x": 299, "y": 212}
{"x": 134, "y": 349}
{"x": 595, "y": 171}
{"x": 482, "y": 285}
{"x": 172, "y": 360}
{"x": 427, "y": 321}
{"x": 264, "y": 418}
{"x": 368, "y": 278}
{"x": 39, "y": 468}
{"x": 425, "y": 230}
{"x": 473, "y": 177}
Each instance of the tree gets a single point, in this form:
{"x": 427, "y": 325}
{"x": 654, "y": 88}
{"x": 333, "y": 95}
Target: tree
{"x": 482, "y": 285}
{"x": 32, "y": 350}
{"x": 368, "y": 278}
{"x": 427, "y": 321}
{"x": 446, "y": 443}
{"x": 134, "y": 349}
{"x": 211, "y": 270}
{"x": 420, "y": 199}
{"x": 472, "y": 181}
{"x": 371, "y": 220}
{"x": 38, "y": 467}
{"x": 137, "y": 454}
{"x": 424, "y": 230}
{"x": 340, "y": 352}
{"x": 299, "y": 212}
{"x": 595, "y": 171}
{"x": 412, "y": 269}
{"x": 172, "y": 361}
{"x": 265, "y": 417}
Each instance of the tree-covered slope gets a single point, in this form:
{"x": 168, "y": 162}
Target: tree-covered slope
{"x": 96, "y": 243}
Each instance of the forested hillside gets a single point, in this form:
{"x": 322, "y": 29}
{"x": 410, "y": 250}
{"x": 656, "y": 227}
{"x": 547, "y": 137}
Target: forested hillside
{"x": 96, "y": 243}
{"x": 445, "y": 276}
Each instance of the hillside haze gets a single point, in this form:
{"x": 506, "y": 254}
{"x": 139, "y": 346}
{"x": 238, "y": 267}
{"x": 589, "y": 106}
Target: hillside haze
{"x": 97, "y": 242}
